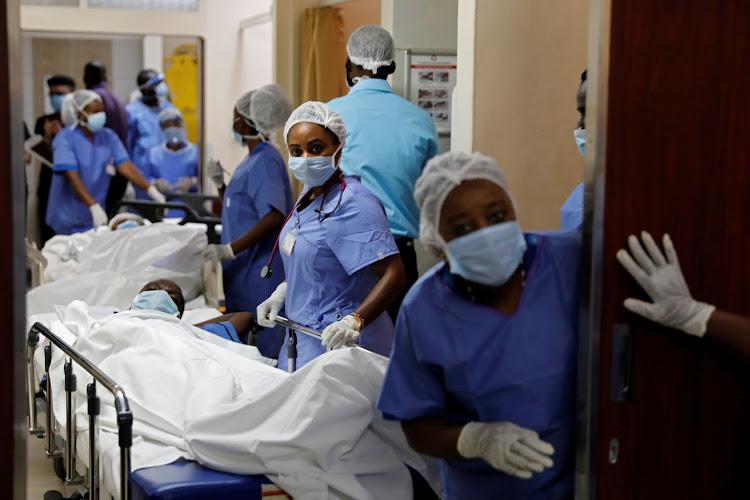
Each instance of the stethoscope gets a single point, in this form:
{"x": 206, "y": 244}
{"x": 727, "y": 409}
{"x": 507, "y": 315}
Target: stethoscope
{"x": 266, "y": 272}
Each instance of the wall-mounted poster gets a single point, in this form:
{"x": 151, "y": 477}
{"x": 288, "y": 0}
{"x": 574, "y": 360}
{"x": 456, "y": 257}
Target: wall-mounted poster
{"x": 431, "y": 80}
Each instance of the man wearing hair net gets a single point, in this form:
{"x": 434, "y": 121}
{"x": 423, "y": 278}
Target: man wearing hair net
{"x": 388, "y": 139}
{"x": 83, "y": 151}
{"x": 482, "y": 372}
{"x": 256, "y": 201}
{"x": 144, "y": 130}
{"x": 173, "y": 165}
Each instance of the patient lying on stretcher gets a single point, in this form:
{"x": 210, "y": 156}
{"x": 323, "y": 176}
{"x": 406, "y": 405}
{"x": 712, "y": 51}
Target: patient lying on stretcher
{"x": 166, "y": 296}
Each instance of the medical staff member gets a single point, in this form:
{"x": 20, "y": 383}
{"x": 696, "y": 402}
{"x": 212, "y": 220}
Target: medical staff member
{"x": 256, "y": 200}
{"x": 173, "y": 165}
{"x": 571, "y": 213}
{"x": 388, "y": 139}
{"x": 144, "y": 130}
{"x": 83, "y": 151}
{"x": 341, "y": 261}
{"x": 482, "y": 373}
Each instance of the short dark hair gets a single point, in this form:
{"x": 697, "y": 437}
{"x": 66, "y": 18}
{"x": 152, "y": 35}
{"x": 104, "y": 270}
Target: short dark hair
{"x": 61, "y": 80}
{"x": 145, "y": 75}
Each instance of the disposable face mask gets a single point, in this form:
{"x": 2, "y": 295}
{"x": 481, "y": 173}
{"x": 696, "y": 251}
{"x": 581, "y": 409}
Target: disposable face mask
{"x": 355, "y": 80}
{"x": 580, "y": 135}
{"x": 96, "y": 121}
{"x": 162, "y": 90}
{"x": 313, "y": 171}
{"x": 238, "y": 137}
{"x": 174, "y": 135}
{"x": 127, "y": 225}
{"x": 56, "y": 102}
{"x": 156, "y": 300}
{"x": 489, "y": 256}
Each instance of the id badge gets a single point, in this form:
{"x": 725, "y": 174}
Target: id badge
{"x": 289, "y": 240}
{"x": 110, "y": 168}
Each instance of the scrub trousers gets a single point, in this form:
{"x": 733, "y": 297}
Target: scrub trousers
{"x": 409, "y": 258}
{"x": 116, "y": 191}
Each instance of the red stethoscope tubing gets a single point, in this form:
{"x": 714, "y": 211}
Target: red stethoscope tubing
{"x": 266, "y": 271}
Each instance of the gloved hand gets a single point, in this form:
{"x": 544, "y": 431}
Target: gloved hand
{"x": 215, "y": 173}
{"x": 162, "y": 185}
{"x": 663, "y": 281}
{"x": 341, "y": 332}
{"x": 99, "y": 215}
{"x": 217, "y": 253}
{"x": 155, "y": 194}
{"x": 506, "y": 447}
{"x": 267, "y": 310}
{"x": 185, "y": 184}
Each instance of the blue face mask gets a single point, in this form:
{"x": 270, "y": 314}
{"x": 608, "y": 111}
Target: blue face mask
{"x": 127, "y": 225}
{"x": 313, "y": 171}
{"x": 238, "y": 137}
{"x": 56, "y": 102}
{"x": 174, "y": 135}
{"x": 580, "y": 135}
{"x": 488, "y": 256}
{"x": 156, "y": 300}
{"x": 162, "y": 90}
{"x": 96, "y": 121}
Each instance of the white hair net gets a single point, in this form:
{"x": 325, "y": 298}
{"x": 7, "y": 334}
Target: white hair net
{"x": 75, "y": 102}
{"x": 371, "y": 47}
{"x": 320, "y": 114}
{"x": 441, "y": 174}
{"x": 121, "y": 217}
{"x": 267, "y": 108}
{"x": 169, "y": 114}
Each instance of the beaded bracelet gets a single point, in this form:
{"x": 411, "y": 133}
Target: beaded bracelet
{"x": 359, "y": 319}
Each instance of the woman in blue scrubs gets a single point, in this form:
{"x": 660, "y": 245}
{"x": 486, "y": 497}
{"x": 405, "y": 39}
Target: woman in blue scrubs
{"x": 342, "y": 264}
{"x": 482, "y": 373}
{"x": 86, "y": 155}
{"x": 256, "y": 200}
{"x": 173, "y": 165}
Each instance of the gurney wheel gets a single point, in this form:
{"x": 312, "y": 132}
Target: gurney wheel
{"x": 59, "y": 467}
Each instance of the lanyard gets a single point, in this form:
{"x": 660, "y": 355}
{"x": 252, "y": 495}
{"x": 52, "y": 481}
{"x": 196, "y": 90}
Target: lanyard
{"x": 266, "y": 272}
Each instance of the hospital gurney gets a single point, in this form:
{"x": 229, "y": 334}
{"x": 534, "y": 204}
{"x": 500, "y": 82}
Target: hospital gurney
{"x": 192, "y": 207}
{"x": 183, "y": 479}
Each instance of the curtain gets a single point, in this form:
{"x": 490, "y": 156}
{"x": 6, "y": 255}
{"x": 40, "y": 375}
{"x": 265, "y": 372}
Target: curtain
{"x": 323, "y": 55}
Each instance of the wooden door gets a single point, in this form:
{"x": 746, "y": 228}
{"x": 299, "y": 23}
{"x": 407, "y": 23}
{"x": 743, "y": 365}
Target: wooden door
{"x": 671, "y": 93}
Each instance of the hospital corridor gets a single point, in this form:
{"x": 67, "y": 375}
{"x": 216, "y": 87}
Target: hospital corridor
{"x": 375, "y": 249}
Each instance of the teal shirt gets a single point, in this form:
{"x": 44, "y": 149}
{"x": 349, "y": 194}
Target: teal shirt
{"x": 388, "y": 142}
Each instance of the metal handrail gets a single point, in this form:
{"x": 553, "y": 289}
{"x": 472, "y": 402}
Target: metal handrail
{"x": 122, "y": 407}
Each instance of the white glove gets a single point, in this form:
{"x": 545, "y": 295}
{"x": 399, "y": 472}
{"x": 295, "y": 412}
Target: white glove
{"x": 217, "y": 253}
{"x": 506, "y": 447}
{"x": 267, "y": 311}
{"x": 185, "y": 184}
{"x": 162, "y": 185}
{"x": 215, "y": 173}
{"x": 341, "y": 333}
{"x": 663, "y": 281}
{"x": 155, "y": 194}
{"x": 99, "y": 215}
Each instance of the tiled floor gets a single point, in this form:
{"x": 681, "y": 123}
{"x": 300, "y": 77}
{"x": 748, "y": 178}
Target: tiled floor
{"x": 40, "y": 475}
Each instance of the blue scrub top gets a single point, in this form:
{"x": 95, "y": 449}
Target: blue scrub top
{"x": 72, "y": 150}
{"x": 328, "y": 273}
{"x": 259, "y": 184}
{"x": 388, "y": 142}
{"x": 163, "y": 163}
{"x": 224, "y": 330}
{"x": 144, "y": 132}
{"x": 571, "y": 213}
{"x": 460, "y": 361}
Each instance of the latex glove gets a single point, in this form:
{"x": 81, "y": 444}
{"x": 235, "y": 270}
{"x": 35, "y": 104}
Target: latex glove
{"x": 185, "y": 184}
{"x": 155, "y": 194}
{"x": 217, "y": 253}
{"x": 663, "y": 281}
{"x": 267, "y": 311}
{"x": 215, "y": 173}
{"x": 99, "y": 215}
{"x": 506, "y": 447}
{"x": 162, "y": 185}
{"x": 341, "y": 332}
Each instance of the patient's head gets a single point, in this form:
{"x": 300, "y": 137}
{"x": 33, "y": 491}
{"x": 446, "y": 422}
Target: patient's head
{"x": 125, "y": 220}
{"x": 156, "y": 301}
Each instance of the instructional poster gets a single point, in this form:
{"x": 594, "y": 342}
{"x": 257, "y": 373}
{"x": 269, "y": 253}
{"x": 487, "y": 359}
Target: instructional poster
{"x": 432, "y": 78}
